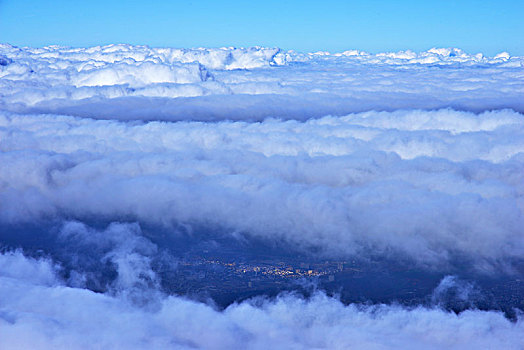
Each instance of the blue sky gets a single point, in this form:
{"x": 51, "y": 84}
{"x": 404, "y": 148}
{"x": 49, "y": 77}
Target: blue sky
{"x": 486, "y": 26}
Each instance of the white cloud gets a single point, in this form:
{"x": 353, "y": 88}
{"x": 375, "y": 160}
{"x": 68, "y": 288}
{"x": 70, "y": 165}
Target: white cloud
{"x": 428, "y": 185}
{"x": 138, "y": 82}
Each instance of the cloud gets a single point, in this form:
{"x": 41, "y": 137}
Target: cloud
{"x": 38, "y": 316}
{"x": 428, "y": 185}
{"x": 138, "y": 82}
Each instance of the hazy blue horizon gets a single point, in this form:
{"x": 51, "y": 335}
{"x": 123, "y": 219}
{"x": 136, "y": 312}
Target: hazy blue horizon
{"x": 373, "y": 26}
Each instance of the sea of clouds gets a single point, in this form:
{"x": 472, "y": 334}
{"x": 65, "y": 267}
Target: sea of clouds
{"x": 411, "y": 156}
{"x": 138, "y": 82}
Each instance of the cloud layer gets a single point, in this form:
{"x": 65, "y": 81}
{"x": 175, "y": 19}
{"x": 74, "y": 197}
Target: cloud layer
{"x": 429, "y": 185}
{"x": 138, "y": 82}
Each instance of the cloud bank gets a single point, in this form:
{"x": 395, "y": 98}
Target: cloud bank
{"x": 138, "y": 82}
{"x": 428, "y": 185}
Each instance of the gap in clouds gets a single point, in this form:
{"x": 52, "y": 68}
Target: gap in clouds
{"x": 139, "y": 262}
{"x": 38, "y": 311}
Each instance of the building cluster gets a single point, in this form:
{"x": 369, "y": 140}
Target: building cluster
{"x": 278, "y": 268}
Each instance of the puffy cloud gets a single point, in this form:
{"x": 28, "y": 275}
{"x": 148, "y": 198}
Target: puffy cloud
{"x": 140, "y": 75}
{"x": 41, "y": 316}
{"x": 430, "y": 185}
{"x": 138, "y": 82}
{"x": 14, "y": 265}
